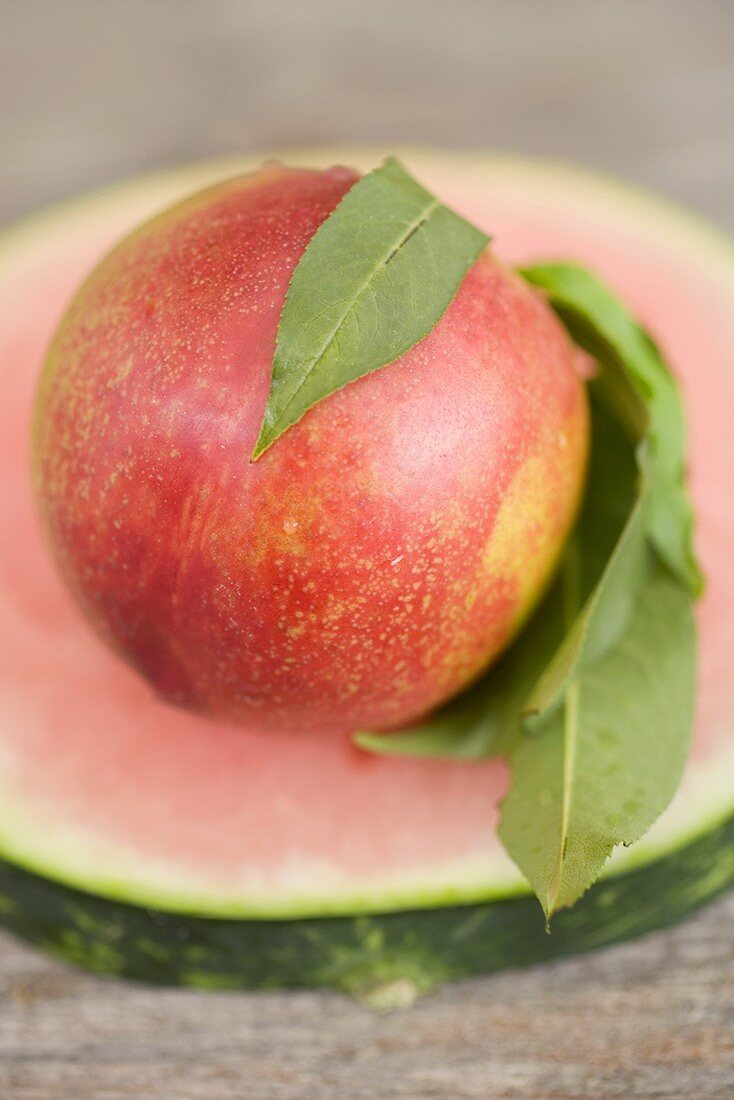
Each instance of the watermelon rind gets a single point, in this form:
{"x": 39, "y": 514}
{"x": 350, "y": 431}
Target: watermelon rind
{"x": 385, "y": 958}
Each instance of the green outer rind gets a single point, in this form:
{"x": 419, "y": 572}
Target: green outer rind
{"x": 385, "y": 959}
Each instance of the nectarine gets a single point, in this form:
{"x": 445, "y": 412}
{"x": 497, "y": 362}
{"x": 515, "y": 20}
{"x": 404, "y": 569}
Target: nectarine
{"x": 382, "y": 551}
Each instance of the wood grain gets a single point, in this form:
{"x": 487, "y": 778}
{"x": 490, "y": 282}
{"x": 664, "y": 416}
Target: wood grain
{"x": 94, "y": 89}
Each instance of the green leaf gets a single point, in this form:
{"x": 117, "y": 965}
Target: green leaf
{"x": 377, "y": 276}
{"x": 609, "y": 761}
{"x": 613, "y": 710}
{"x": 598, "y": 322}
{"x": 608, "y": 553}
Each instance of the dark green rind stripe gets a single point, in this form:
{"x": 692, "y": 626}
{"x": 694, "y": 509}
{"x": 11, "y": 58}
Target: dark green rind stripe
{"x": 364, "y": 955}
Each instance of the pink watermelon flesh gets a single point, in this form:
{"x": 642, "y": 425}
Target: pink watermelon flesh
{"x": 104, "y": 787}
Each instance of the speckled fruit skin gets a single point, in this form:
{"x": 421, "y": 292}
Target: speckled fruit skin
{"x": 383, "y": 550}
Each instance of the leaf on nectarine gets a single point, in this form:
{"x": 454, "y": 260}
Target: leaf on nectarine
{"x": 377, "y": 276}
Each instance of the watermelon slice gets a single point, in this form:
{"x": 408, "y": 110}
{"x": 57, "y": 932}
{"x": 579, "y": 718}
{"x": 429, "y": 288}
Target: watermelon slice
{"x": 144, "y": 841}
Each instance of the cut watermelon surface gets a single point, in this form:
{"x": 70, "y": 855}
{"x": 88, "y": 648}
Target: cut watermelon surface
{"x": 142, "y": 840}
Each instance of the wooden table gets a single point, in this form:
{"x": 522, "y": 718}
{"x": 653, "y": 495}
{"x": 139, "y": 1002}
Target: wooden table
{"x": 93, "y": 89}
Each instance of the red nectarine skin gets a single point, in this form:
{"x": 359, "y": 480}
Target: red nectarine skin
{"x": 381, "y": 552}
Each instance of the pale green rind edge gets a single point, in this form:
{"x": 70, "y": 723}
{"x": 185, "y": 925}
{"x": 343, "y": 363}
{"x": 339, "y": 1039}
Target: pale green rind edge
{"x": 385, "y": 960}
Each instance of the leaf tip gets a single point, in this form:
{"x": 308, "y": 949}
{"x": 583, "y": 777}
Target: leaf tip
{"x": 260, "y": 447}
{"x": 267, "y": 435}
{"x": 368, "y": 742}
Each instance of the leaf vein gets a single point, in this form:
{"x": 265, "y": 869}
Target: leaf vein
{"x": 418, "y": 222}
